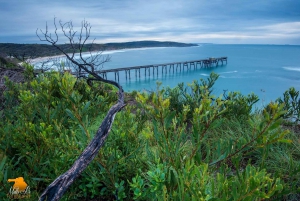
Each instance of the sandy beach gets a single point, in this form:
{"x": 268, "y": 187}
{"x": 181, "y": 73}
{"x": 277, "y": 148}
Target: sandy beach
{"x": 45, "y": 59}
{"x": 86, "y": 54}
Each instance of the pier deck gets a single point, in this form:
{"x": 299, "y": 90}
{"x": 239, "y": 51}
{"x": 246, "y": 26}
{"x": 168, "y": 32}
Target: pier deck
{"x": 203, "y": 63}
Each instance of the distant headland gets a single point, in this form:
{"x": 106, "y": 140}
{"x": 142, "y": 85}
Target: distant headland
{"x": 44, "y": 50}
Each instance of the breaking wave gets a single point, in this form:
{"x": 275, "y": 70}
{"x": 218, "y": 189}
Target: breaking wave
{"x": 292, "y": 68}
{"x": 229, "y": 72}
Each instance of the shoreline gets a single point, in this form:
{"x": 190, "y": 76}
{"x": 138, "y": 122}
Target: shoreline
{"x": 84, "y": 54}
{"x": 44, "y": 59}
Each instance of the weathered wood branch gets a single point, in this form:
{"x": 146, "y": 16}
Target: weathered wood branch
{"x": 58, "y": 187}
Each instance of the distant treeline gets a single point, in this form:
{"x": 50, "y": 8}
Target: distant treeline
{"x": 23, "y": 51}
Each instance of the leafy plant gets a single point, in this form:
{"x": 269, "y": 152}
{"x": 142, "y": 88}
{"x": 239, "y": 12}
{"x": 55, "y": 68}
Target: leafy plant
{"x": 171, "y": 144}
{"x": 291, "y": 101}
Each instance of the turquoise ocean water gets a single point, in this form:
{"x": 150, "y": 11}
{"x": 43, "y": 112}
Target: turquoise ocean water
{"x": 266, "y": 70}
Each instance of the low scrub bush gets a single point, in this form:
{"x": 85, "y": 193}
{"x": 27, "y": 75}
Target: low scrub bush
{"x": 172, "y": 144}
{"x": 291, "y": 102}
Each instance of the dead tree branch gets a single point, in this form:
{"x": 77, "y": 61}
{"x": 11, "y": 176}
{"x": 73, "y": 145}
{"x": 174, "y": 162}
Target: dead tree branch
{"x": 77, "y": 45}
{"x": 58, "y": 187}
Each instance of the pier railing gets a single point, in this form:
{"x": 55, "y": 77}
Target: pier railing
{"x": 179, "y": 66}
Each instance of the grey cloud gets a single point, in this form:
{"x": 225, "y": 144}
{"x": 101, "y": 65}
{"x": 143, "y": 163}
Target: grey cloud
{"x": 191, "y": 21}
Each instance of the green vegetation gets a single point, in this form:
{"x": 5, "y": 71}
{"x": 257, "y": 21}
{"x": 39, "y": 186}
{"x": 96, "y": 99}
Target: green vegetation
{"x": 172, "y": 144}
{"x": 30, "y": 51}
{"x": 8, "y": 62}
{"x": 291, "y": 102}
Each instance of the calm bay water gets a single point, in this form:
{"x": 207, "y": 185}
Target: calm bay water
{"x": 266, "y": 70}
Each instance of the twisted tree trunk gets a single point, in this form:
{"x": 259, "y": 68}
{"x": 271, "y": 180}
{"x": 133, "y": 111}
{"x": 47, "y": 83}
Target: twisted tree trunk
{"x": 58, "y": 187}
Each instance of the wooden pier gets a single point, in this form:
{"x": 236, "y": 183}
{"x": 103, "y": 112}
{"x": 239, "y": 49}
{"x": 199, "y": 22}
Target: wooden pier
{"x": 179, "y": 66}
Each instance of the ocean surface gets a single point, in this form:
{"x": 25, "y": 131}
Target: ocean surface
{"x": 266, "y": 70}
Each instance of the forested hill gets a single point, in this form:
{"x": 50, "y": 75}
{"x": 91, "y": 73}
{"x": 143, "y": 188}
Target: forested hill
{"x": 141, "y": 44}
{"x": 40, "y": 50}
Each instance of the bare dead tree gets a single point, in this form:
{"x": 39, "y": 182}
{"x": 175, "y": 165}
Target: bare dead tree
{"x": 77, "y": 43}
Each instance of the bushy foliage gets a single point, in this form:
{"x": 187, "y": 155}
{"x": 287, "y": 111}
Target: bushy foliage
{"x": 237, "y": 105}
{"x": 190, "y": 95}
{"x": 7, "y": 62}
{"x": 172, "y": 144}
{"x": 291, "y": 102}
{"x": 41, "y": 118}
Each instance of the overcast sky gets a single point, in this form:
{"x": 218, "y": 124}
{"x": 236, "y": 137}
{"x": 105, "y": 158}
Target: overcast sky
{"x": 196, "y": 21}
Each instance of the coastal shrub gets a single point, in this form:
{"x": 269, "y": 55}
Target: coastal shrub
{"x": 172, "y": 146}
{"x": 238, "y": 105}
{"x": 291, "y": 101}
{"x": 198, "y": 182}
{"x": 45, "y": 123}
{"x": 190, "y": 95}
{"x": 195, "y": 148}
{"x": 7, "y": 62}
{"x": 284, "y": 162}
